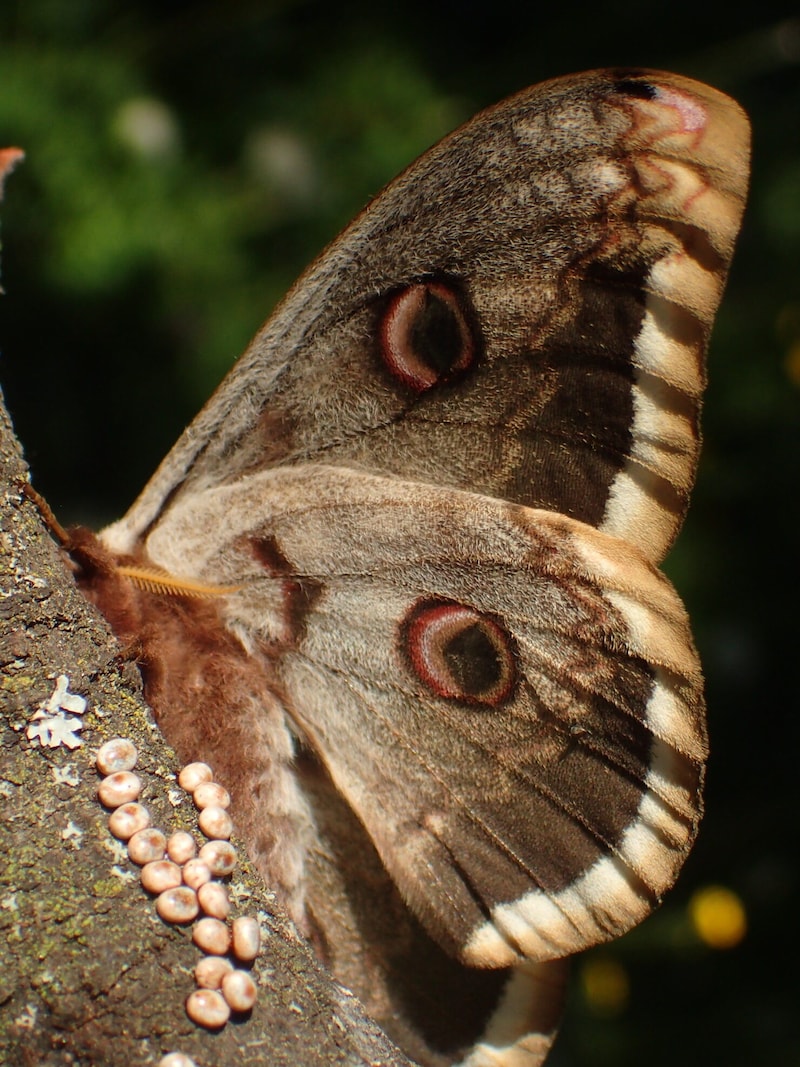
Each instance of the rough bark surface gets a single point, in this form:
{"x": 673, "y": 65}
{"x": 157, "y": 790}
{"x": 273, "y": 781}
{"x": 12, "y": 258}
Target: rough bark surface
{"x": 89, "y": 975}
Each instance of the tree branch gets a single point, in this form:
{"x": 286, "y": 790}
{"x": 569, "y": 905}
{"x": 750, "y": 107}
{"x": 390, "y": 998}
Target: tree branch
{"x": 90, "y": 975}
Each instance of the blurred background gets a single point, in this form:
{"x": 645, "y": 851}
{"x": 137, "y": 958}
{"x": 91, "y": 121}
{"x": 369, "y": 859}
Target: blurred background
{"x": 185, "y": 161}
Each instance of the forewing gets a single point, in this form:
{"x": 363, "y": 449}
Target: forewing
{"x": 523, "y": 313}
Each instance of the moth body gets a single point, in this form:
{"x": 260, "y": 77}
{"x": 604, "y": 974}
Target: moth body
{"x": 419, "y": 631}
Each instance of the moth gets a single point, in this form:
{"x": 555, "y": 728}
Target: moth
{"x": 398, "y": 581}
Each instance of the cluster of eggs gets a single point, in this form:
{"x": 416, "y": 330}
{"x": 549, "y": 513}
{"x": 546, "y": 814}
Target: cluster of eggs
{"x": 185, "y": 879}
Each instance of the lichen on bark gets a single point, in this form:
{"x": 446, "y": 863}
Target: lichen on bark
{"x": 89, "y": 975}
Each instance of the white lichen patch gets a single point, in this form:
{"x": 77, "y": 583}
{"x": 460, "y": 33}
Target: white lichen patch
{"x": 35, "y": 581}
{"x": 239, "y": 892}
{"x": 73, "y": 834}
{"x": 63, "y": 700}
{"x": 50, "y": 726}
{"x": 54, "y": 731}
{"x": 123, "y": 874}
{"x": 9, "y": 903}
{"x": 67, "y": 775}
{"x": 26, "y": 1020}
{"x": 176, "y": 797}
{"x": 119, "y": 852}
{"x": 264, "y": 920}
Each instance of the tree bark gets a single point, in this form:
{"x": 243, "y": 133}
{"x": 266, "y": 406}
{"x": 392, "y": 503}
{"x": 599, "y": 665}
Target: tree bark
{"x": 89, "y": 975}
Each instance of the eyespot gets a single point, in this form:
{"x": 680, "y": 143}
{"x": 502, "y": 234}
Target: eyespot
{"x": 425, "y": 338}
{"x": 460, "y": 653}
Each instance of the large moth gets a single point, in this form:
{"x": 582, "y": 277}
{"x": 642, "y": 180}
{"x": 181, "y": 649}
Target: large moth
{"x": 397, "y": 582}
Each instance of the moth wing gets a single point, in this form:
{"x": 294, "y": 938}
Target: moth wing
{"x": 508, "y": 699}
{"x": 523, "y": 312}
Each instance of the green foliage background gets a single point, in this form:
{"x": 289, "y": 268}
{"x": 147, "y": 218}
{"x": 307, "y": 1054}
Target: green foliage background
{"x": 186, "y": 160}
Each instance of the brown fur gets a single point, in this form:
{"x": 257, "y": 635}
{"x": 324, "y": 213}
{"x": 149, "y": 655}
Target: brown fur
{"x": 214, "y": 701}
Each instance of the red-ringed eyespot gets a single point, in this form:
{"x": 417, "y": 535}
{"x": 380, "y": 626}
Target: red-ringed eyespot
{"x": 460, "y": 653}
{"x": 425, "y": 338}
